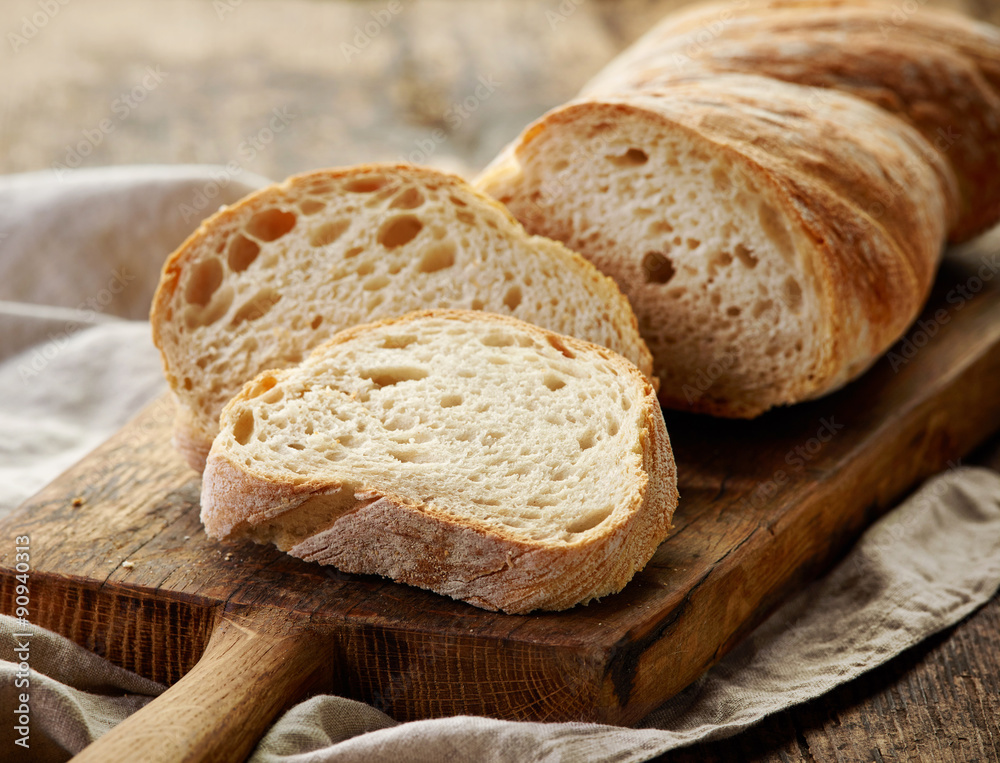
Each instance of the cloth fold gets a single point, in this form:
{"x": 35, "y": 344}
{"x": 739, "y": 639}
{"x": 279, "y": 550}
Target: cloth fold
{"x": 72, "y": 375}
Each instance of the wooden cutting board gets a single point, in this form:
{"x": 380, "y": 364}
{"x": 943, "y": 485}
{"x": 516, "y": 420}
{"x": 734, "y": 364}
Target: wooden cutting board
{"x": 119, "y": 564}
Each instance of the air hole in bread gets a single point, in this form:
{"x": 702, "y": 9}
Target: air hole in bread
{"x": 242, "y": 253}
{"x": 367, "y": 184}
{"x": 398, "y": 341}
{"x": 437, "y": 257}
{"x": 588, "y": 522}
{"x": 587, "y": 440}
{"x": 746, "y": 256}
{"x": 188, "y": 384}
{"x": 773, "y": 227}
{"x": 512, "y": 298}
{"x": 717, "y": 261}
{"x": 271, "y": 224}
{"x": 631, "y": 158}
{"x": 410, "y": 198}
{"x": 719, "y": 179}
{"x": 375, "y": 283}
{"x": 195, "y": 316}
{"x": 477, "y": 304}
{"x": 761, "y": 306}
{"x": 296, "y": 446}
{"x": 465, "y": 217}
{"x": 733, "y": 311}
{"x": 257, "y": 306}
{"x": 659, "y": 227}
{"x": 553, "y": 382}
{"x": 450, "y": 401}
{"x": 457, "y": 201}
{"x": 386, "y": 377}
{"x": 612, "y": 428}
{"x": 328, "y": 232}
{"x": 399, "y": 231}
{"x": 261, "y": 386}
{"x": 693, "y": 243}
{"x": 205, "y": 278}
{"x": 558, "y": 345}
{"x": 354, "y": 251}
{"x": 311, "y": 206}
{"x": 657, "y": 267}
{"x": 275, "y": 395}
{"x": 496, "y": 339}
{"x": 315, "y": 323}
{"x": 793, "y": 294}
{"x": 243, "y": 428}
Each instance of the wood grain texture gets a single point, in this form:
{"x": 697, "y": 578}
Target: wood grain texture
{"x": 256, "y": 665}
{"x": 939, "y": 701}
{"x": 765, "y": 506}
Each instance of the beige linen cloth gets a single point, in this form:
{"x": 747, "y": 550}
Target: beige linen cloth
{"x": 79, "y": 258}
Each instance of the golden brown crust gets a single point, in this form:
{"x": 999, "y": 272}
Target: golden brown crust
{"x": 381, "y": 533}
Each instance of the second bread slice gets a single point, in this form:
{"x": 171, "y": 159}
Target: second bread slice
{"x": 471, "y": 454}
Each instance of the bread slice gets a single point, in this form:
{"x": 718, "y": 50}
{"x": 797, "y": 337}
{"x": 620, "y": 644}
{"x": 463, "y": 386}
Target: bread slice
{"x": 262, "y": 282}
{"x": 471, "y": 454}
{"x": 773, "y": 239}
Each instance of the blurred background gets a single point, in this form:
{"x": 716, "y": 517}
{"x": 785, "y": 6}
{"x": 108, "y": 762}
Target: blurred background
{"x": 276, "y": 87}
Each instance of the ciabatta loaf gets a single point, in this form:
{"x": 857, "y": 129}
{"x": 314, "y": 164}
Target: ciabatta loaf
{"x": 772, "y": 244}
{"x": 262, "y": 282}
{"x": 471, "y": 454}
{"x": 771, "y": 183}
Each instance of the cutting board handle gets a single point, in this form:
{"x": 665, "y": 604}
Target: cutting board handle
{"x": 254, "y": 667}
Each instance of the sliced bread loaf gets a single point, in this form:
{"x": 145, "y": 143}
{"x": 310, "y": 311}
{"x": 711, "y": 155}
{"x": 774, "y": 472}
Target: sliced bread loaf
{"x": 262, "y": 282}
{"x": 471, "y": 454}
{"x": 773, "y": 239}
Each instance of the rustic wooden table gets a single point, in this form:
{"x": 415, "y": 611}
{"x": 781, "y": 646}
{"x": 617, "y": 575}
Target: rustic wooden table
{"x": 281, "y": 86}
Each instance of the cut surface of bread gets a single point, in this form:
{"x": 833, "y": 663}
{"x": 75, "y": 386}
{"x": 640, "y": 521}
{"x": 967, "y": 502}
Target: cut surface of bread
{"x": 471, "y": 454}
{"x": 262, "y": 282}
{"x": 773, "y": 243}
